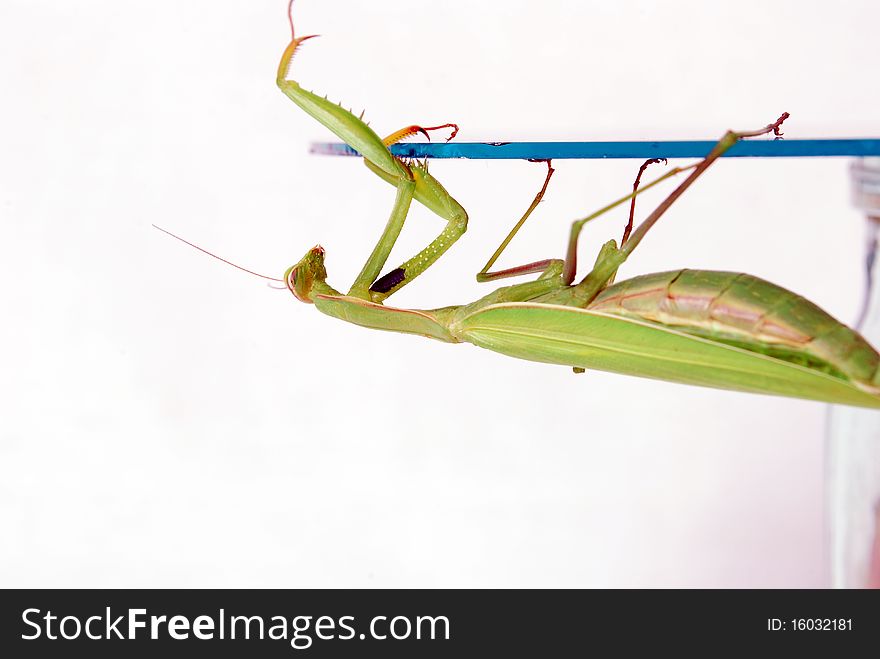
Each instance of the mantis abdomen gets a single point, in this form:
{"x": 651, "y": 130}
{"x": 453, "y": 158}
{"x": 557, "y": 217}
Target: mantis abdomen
{"x": 747, "y": 312}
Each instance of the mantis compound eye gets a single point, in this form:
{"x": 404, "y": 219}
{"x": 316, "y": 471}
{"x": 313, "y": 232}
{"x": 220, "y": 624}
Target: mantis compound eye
{"x": 295, "y": 284}
{"x": 290, "y": 280}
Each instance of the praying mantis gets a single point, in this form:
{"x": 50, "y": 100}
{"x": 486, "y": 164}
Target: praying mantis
{"x": 715, "y": 329}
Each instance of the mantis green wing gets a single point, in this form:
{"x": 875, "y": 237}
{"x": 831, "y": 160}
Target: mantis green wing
{"x": 594, "y": 340}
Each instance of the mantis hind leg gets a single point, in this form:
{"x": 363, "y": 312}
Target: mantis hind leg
{"x": 611, "y": 257}
{"x": 577, "y": 226}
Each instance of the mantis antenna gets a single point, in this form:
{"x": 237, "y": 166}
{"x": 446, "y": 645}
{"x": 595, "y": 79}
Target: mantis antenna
{"x": 219, "y": 258}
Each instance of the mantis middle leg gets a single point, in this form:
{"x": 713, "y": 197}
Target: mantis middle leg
{"x": 553, "y": 268}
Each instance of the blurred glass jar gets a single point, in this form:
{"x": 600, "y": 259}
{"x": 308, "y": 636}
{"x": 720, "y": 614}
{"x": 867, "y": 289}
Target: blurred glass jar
{"x": 853, "y": 478}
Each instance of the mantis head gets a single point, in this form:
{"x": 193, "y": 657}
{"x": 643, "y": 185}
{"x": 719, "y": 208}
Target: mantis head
{"x": 301, "y": 277}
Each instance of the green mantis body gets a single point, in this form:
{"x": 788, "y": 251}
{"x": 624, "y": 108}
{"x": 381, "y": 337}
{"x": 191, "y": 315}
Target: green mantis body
{"x": 715, "y": 329}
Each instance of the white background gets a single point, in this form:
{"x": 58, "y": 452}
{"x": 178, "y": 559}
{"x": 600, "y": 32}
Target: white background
{"x": 169, "y": 421}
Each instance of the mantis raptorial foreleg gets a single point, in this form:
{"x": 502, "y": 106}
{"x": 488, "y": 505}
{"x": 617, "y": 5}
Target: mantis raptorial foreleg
{"x": 368, "y": 285}
{"x": 376, "y": 261}
{"x": 430, "y": 193}
{"x": 411, "y": 180}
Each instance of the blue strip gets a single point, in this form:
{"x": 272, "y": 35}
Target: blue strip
{"x": 783, "y": 148}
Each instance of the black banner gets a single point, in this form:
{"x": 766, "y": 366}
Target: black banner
{"x": 428, "y": 623}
